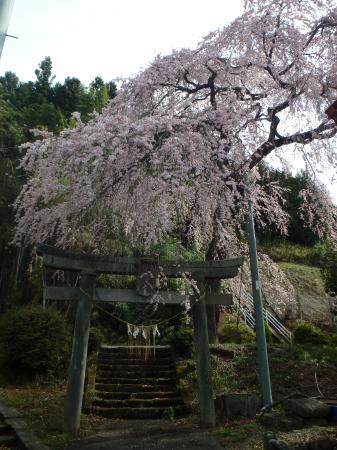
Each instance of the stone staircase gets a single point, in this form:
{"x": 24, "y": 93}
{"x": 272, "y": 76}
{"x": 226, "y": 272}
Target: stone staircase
{"x": 129, "y": 386}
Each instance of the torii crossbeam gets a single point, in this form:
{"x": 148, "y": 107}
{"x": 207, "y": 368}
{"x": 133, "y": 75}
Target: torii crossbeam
{"x": 89, "y": 266}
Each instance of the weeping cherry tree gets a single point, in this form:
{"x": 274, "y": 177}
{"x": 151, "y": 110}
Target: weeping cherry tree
{"x": 173, "y": 152}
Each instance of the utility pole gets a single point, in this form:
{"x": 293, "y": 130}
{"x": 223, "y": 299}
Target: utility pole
{"x": 6, "y": 7}
{"x": 261, "y": 344}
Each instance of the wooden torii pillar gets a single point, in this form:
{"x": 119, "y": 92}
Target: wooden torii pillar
{"x": 88, "y": 266}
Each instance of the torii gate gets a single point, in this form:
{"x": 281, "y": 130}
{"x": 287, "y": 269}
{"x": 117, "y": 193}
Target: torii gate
{"x": 88, "y": 266}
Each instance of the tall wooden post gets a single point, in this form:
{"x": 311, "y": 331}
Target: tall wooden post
{"x": 212, "y": 286}
{"x": 203, "y": 361}
{"x": 78, "y": 362}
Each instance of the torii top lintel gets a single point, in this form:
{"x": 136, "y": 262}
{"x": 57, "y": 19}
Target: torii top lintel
{"x": 60, "y": 259}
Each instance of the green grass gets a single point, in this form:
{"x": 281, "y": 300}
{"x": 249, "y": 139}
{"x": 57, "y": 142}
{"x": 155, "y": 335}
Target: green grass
{"x": 304, "y": 278}
{"x": 292, "y": 367}
{"x": 241, "y": 434}
{"x": 313, "y": 303}
{"x": 42, "y": 404}
{"x": 237, "y": 333}
{"x": 239, "y": 429}
{"x": 293, "y": 253}
{"x": 248, "y": 435}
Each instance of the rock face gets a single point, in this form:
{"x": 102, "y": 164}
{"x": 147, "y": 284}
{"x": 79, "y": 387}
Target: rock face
{"x": 307, "y": 408}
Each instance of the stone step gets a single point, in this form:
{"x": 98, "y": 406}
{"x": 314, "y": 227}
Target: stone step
{"x": 148, "y": 374}
{"x": 117, "y": 387}
{"x": 134, "y": 359}
{"x": 136, "y": 413}
{"x": 137, "y": 352}
{"x": 131, "y": 363}
{"x": 135, "y": 367}
{"x": 116, "y": 348}
{"x": 132, "y": 387}
{"x": 140, "y": 380}
{"x": 138, "y": 402}
{"x": 134, "y": 395}
{"x": 122, "y": 359}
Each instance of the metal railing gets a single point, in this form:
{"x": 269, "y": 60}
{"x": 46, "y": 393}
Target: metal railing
{"x": 275, "y": 325}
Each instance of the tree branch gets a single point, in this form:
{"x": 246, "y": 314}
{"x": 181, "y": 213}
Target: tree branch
{"x": 324, "y": 24}
{"x": 300, "y": 138}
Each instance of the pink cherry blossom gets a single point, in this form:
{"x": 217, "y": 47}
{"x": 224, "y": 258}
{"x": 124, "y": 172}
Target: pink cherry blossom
{"x": 174, "y": 149}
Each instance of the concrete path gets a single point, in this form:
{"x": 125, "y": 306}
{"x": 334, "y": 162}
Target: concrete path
{"x": 147, "y": 435}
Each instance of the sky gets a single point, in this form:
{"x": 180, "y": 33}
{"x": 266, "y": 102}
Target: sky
{"x": 86, "y": 38}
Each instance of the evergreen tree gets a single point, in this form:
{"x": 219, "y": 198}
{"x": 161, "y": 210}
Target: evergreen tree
{"x": 69, "y": 96}
{"x": 292, "y": 186}
{"x": 24, "y": 106}
{"x": 329, "y": 268}
{"x": 44, "y": 79}
{"x": 99, "y": 93}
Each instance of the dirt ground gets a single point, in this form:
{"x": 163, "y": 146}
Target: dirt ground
{"x": 147, "y": 435}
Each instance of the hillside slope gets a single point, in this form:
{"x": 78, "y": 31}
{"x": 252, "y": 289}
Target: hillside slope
{"x": 313, "y": 303}
{"x": 292, "y": 286}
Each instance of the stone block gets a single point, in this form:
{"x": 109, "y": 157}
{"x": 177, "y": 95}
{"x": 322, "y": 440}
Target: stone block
{"x": 230, "y": 406}
{"x": 307, "y": 408}
{"x": 280, "y": 421}
{"x": 270, "y": 442}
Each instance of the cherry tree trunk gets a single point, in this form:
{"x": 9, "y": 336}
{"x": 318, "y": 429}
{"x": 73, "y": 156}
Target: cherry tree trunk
{"x": 213, "y": 285}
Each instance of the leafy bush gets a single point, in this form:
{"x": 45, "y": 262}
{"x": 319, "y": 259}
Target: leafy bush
{"x": 34, "y": 340}
{"x": 181, "y": 341}
{"x": 96, "y": 339}
{"x": 168, "y": 413}
{"x": 333, "y": 340}
{"x": 329, "y": 268}
{"x": 236, "y": 333}
{"x": 306, "y": 333}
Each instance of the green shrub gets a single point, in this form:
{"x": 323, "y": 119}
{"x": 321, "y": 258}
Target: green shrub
{"x": 269, "y": 334}
{"x": 236, "y": 333}
{"x": 181, "y": 341}
{"x": 306, "y": 333}
{"x": 333, "y": 340}
{"x": 168, "y": 413}
{"x": 329, "y": 268}
{"x": 96, "y": 339}
{"x": 34, "y": 340}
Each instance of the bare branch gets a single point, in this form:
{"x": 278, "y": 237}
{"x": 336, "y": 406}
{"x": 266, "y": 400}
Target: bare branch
{"x": 301, "y": 138}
